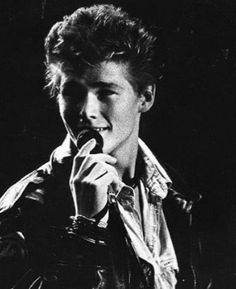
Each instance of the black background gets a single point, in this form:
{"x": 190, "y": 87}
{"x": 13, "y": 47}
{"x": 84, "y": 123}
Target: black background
{"x": 191, "y": 127}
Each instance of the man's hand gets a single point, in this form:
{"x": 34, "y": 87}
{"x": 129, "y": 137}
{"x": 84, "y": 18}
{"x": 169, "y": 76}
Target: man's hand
{"x": 90, "y": 178}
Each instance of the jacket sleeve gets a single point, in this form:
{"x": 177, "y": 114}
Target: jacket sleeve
{"x": 14, "y": 218}
{"x": 13, "y": 249}
{"x": 12, "y": 243}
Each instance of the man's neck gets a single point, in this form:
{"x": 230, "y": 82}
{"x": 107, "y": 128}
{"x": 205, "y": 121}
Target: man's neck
{"x": 126, "y": 160}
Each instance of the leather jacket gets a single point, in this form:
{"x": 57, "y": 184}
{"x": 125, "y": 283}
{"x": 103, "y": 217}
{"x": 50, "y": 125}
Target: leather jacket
{"x": 40, "y": 206}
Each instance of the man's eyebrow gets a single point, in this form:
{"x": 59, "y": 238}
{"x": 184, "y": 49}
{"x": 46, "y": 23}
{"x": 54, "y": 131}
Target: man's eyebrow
{"x": 103, "y": 84}
{"x": 69, "y": 81}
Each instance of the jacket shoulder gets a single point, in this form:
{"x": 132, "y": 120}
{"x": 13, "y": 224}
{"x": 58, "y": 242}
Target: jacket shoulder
{"x": 19, "y": 189}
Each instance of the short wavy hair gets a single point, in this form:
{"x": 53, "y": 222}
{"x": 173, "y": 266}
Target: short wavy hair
{"x": 97, "y": 33}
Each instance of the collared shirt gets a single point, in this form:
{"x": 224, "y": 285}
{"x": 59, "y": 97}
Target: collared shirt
{"x": 151, "y": 243}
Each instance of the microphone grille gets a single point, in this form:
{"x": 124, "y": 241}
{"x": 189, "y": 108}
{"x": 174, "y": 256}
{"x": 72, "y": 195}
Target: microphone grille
{"x": 85, "y": 135}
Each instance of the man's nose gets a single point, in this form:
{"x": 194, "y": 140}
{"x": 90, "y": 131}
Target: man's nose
{"x": 90, "y": 108}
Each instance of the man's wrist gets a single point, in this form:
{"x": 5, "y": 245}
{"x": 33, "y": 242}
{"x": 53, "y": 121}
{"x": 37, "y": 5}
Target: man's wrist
{"x": 87, "y": 229}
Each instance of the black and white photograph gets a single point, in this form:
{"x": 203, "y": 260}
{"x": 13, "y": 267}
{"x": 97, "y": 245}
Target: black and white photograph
{"x": 117, "y": 146}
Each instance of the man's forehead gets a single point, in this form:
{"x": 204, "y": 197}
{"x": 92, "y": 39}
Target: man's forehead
{"x": 102, "y": 74}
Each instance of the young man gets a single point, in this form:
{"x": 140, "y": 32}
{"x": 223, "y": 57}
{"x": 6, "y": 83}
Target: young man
{"x": 94, "y": 219}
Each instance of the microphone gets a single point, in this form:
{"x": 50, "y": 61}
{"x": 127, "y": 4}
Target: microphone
{"x": 85, "y": 135}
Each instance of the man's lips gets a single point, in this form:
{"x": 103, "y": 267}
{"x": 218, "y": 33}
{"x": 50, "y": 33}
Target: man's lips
{"x": 96, "y": 128}
{"x": 99, "y": 128}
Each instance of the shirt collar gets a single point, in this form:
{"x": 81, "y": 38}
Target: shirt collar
{"x": 155, "y": 177}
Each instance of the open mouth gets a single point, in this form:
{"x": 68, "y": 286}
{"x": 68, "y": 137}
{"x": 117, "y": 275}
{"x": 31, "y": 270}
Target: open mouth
{"x": 99, "y": 129}
{"x": 95, "y": 128}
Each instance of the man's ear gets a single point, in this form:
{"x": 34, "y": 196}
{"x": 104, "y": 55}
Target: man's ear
{"x": 147, "y": 98}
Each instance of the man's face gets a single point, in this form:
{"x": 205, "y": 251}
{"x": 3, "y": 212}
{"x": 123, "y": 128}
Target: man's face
{"x": 101, "y": 98}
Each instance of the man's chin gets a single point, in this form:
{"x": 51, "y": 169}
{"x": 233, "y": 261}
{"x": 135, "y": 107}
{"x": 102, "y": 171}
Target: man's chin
{"x": 108, "y": 148}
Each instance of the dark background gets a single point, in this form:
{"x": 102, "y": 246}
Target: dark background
{"x": 191, "y": 127}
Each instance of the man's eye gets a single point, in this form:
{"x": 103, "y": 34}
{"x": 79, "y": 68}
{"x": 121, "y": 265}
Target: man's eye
{"x": 72, "y": 90}
{"x": 106, "y": 92}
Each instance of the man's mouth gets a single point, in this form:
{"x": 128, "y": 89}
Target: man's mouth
{"x": 99, "y": 129}
{"x": 96, "y": 128}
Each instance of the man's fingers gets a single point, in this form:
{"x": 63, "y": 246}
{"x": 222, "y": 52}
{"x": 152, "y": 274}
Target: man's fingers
{"x": 96, "y": 171}
{"x": 81, "y": 164}
{"x": 96, "y": 158}
{"x": 106, "y": 179}
{"x": 78, "y": 159}
{"x": 87, "y": 148}
{"x": 93, "y": 172}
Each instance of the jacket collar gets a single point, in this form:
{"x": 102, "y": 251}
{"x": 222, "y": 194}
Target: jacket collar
{"x": 155, "y": 177}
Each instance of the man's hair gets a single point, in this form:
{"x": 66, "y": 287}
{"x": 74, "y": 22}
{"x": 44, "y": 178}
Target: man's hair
{"x": 97, "y": 33}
